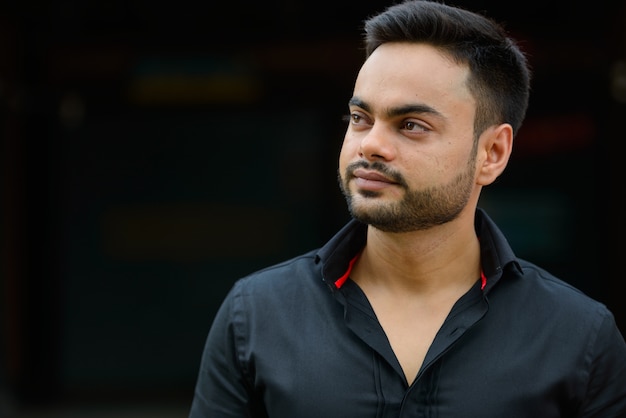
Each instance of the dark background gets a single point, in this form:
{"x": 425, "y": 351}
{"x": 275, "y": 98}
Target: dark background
{"x": 153, "y": 152}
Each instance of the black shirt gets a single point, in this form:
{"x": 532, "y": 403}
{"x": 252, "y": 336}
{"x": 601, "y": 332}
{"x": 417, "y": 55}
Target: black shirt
{"x": 300, "y": 340}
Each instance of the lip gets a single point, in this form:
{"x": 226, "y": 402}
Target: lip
{"x": 371, "y": 175}
{"x": 371, "y": 180}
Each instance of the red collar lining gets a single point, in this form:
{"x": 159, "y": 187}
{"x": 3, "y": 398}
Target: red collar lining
{"x": 340, "y": 281}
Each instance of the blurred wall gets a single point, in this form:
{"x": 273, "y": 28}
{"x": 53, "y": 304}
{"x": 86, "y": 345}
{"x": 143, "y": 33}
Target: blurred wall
{"x": 153, "y": 153}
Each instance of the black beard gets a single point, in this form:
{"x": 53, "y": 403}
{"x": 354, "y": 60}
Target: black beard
{"x": 418, "y": 209}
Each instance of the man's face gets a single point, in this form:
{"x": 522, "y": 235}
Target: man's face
{"x": 408, "y": 157}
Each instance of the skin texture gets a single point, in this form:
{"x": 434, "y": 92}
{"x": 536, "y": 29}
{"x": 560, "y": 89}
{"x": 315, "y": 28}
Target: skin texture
{"x": 417, "y": 132}
{"x": 412, "y": 167}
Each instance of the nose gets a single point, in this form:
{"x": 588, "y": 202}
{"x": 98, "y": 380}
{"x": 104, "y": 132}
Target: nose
{"x": 376, "y": 144}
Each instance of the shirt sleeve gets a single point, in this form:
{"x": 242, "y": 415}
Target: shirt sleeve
{"x": 606, "y": 389}
{"x": 222, "y": 390}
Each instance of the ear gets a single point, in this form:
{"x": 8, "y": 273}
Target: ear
{"x": 495, "y": 146}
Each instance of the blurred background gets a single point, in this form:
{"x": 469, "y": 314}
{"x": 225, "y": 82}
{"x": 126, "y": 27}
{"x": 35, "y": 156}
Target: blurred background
{"x": 152, "y": 153}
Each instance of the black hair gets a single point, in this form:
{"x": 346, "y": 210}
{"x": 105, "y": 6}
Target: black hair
{"x": 499, "y": 76}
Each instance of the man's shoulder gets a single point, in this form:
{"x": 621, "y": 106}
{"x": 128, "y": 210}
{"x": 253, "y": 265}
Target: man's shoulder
{"x": 285, "y": 289}
{"x": 293, "y": 272}
{"x": 557, "y": 293}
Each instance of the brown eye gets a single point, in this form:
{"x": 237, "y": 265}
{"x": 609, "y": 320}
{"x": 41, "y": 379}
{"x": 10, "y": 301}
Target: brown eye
{"x": 414, "y": 127}
{"x": 357, "y": 120}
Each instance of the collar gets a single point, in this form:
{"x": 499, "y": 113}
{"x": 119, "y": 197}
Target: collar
{"x": 339, "y": 254}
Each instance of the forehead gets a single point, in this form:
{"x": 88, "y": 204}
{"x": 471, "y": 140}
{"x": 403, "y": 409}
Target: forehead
{"x": 398, "y": 73}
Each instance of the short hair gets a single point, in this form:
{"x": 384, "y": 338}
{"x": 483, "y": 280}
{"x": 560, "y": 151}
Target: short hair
{"x": 499, "y": 76}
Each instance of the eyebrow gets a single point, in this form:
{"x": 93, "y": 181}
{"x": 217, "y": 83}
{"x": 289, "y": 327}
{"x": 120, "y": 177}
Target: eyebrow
{"x": 400, "y": 110}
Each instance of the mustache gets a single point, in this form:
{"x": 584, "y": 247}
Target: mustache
{"x": 376, "y": 166}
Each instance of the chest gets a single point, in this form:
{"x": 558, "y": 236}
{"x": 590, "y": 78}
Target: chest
{"x": 345, "y": 377}
{"x": 410, "y": 332}
{"x": 343, "y": 361}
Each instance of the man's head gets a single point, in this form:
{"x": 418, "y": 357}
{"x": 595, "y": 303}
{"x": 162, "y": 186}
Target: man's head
{"x": 499, "y": 76}
{"x": 432, "y": 116}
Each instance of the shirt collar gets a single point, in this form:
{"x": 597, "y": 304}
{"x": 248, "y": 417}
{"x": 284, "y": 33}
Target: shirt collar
{"x": 338, "y": 255}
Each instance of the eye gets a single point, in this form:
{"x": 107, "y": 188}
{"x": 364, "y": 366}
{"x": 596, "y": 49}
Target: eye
{"x": 356, "y": 118}
{"x": 413, "y": 126}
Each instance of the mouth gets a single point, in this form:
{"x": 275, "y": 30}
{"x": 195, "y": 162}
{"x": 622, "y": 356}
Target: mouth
{"x": 371, "y": 180}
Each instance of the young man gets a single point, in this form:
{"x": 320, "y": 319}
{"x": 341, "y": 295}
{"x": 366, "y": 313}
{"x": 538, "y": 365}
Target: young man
{"x": 418, "y": 307}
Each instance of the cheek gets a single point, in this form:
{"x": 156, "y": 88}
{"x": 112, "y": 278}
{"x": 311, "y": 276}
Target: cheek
{"x": 422, "y": 169}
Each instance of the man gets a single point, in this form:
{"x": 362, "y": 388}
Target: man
{"x": 418, "y": 307}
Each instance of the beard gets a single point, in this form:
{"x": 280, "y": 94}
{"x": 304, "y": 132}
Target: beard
{"x": 417, "y": 210}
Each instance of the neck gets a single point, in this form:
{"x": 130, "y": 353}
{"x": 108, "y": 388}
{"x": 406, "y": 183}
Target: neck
{"x": 438, "y": 259}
